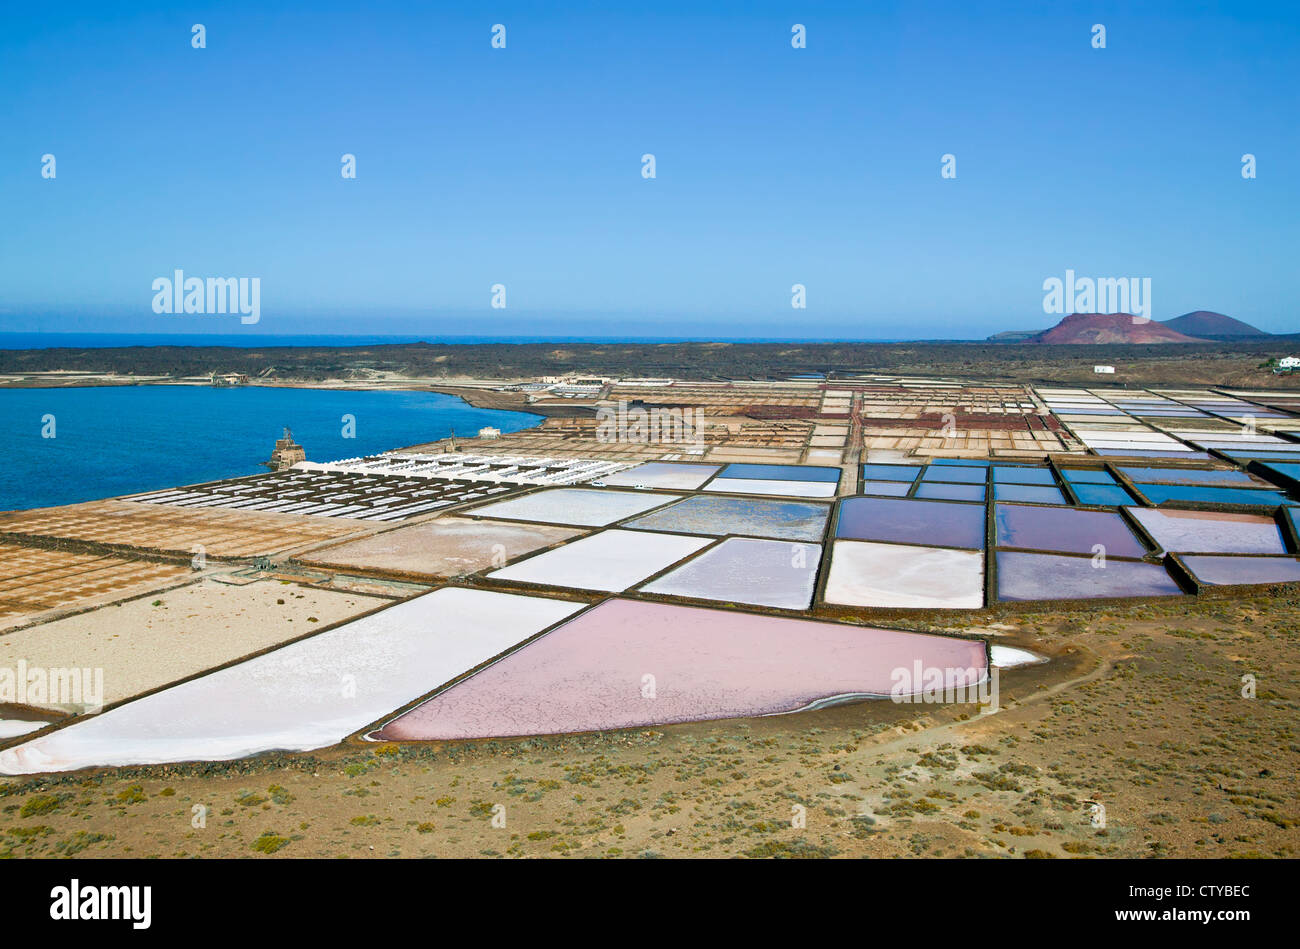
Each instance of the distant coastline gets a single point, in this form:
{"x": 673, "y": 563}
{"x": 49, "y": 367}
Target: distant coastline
{"x": 20, "y": 341}
{"x": 477, "y": 397}
{"x": 468, "y": 365}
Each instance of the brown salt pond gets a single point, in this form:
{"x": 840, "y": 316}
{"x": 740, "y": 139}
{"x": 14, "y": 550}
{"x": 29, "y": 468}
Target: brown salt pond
{"x": 447, "y": 547}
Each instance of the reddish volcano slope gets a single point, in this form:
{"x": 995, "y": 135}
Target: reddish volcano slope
{"x": 1109, "y": 328}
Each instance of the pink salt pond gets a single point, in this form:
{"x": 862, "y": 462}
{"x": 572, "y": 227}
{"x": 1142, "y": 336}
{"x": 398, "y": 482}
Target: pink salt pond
{"x": 627, "y": 664}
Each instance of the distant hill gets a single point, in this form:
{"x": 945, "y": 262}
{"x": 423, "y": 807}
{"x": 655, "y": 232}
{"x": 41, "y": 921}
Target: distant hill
{"x": 1205, "y": 324}
{"x": 1094, "y": 328}
{"x": 1012, "y": 336}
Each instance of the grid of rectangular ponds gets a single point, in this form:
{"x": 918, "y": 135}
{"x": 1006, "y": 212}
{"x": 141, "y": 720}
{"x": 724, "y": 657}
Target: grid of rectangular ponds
{"x": 1058, "y": 532}
{"x": 943, "y": 534}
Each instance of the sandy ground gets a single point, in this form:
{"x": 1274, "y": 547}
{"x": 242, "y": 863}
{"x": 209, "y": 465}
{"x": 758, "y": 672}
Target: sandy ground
{"x": 156, "y": 639}
{"x": 1140, "y": 711}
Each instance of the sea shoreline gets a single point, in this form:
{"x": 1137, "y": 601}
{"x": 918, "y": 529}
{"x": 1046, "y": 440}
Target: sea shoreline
{"x": 478, "y": 396}
{"x": 107, "y": 442}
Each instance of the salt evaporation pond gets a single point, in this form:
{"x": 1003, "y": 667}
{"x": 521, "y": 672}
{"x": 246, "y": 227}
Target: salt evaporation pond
{"x": 955, "y": 474}
{"x": 888, "y": 489}
{"x": 1229, "y": 570}
{"x": 1160, "y": 493}
{"x": 582, "y": 507}
{"x": 1026, "y": 576}
{"x": 612, "y": 560}
{"x": 1208, "y": 532}
{"x": 1009, "y": 657}
{"x": 661, "y": 474}
{"x": 938, "y": 491}
{"x": 10, "y": 728}
{"x": 937, "y": 523}
{"x": 1102, "y": 495}
{"x": 1036, "y": 493}
{"x": 1087, "y": 476}
{"x": 310, "y": 694}
{"x": 449, "y": 546}
{"x": 758, "y": 517}
{"x": 747, "y": 570}
{"x": 781, "y": 488}
{"x": 1018, "y": 475}
{"x": 906, "y": 473}
{"x": 1067, "y": 529}
{"x": 782, "y": 472}
{"x": 1228, "y": 477}
{"x": 628, "y": 663}
{"x": 904, "y": 576}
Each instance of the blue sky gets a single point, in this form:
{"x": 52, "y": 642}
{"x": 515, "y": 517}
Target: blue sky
{"x": 522, "y": 166}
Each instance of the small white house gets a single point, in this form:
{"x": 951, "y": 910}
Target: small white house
{"x": 1288, "y": 364}
{"x": 1106, "y": 370}
{"x": 489, "y": 432}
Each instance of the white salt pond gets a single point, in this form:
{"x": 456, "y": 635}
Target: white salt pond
{"x": 583, "y": 507}
{"x": 661, "y": 474}
{"x": 1008, "y": 657}
{"x": 10, "y": 728}
{"x": 612, "y": 560}
{"x": 790, "y": 489}
{"x": 906, "y": 576}
{"x": 310, "y": 694}
{"x": 775, "y": 573}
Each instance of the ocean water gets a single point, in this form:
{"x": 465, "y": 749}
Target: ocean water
{"x": 112, "y": 440}
{"x": 74, "y": 340}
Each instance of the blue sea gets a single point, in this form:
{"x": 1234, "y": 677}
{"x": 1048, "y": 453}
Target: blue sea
{"x": 113, "y": 440}
{"x": 264, "y": 340}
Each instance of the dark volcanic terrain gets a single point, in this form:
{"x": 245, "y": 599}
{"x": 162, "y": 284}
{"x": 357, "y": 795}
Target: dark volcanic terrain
{"x": 1194, "y": 363}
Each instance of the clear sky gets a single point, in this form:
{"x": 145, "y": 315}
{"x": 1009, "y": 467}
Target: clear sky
{"x": 522, "y": 166}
